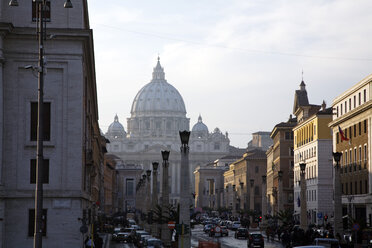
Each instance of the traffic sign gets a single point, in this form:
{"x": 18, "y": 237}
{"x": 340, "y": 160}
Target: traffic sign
{"x": 171, "y": 224}
{"x": 320, "y": 215}
{"x": 356, "y": 227}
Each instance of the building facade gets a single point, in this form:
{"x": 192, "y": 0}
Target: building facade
{"x": 243, "y": 182}
{"x": 280, "y": 165}
{"x": 352, "y": 115}
{"x": 73, "y": 148}
{"x": 158, "y": 113}
{"x": 313, "y": 146}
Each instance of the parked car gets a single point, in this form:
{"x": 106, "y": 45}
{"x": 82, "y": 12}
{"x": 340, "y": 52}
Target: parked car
{"x": 154, "y": 243}
{"x": 224, "y": 231}
{"x": 207, "y": 228}
{"x": 123, "y": 237}
{"x": 235, "y": 225}
{"x": 115, "y": 234}
{"x": 255, "y": 240}
{"x": 215, "y": 231}
{"x": 241, "y": 232}
{"x": 333, "y": 243}
{"x": 138, "y": 235}
{"x": 143, "y": 240}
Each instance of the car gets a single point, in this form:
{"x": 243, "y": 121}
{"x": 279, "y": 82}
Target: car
{"x": 235, "y": 225}
{"x": 123, "y": 237}
{"x": 215, "y": 231}
{"x": 138, "y": 235}
{"x": 241, "y": 232}
{"x": 224, "y": 231}
{"x": 328, "y": 242}
{"x": 207, "y": 228}
{"x": 143, "y": 240}
{"x": 154, "y": 243}
{"x": 115, "y": 233}
{"x": 255, "y": 239}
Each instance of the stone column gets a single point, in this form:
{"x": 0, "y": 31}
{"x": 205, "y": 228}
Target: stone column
{"x": 185, "y": 240}
{"x": 165, "y": 233}
{"x": 303, "y": 216}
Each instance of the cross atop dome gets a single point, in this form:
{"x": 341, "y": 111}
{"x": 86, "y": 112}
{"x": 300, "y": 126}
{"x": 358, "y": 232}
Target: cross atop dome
{"x": 158, "y": 73}
{"x": 116, "y": 118}
{"x": 200, "y": 118}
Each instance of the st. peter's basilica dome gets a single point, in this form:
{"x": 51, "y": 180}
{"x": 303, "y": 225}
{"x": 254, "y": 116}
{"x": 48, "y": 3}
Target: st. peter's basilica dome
{"x": 116, "y": 128}
{"x": 158, "y": 97}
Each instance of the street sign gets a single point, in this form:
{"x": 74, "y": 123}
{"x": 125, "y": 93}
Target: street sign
{"x": 171, "y": 224}
{"x": 320, "y": 215}
{"x": 356, "y": 227}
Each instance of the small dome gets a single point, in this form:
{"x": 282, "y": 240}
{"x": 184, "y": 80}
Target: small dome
{"x": 115, "y": 128}
{"x": 200, "y": 126}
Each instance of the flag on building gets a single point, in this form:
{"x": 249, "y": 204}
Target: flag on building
{"x": 342, "y": 135}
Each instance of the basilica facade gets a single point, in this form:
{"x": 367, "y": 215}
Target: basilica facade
{"x": 158, "y": 113}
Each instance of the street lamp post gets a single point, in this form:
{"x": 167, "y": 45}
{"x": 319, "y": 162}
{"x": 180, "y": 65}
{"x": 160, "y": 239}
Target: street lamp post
{"x": 251, "y": 197}
{"x": 338, "y": 225}
{"x": 41, "y": 31}
{"x": 185, "y": 194}
{"x": 148, "y": 199}
{"x": 264, "y": 201}
{"x": 280, "y": 191}
{"x": 165, "y": 233}
{"x": 154, "y": 195}
{"x": 234, "y": 200}
{"x": 303, "y": 217}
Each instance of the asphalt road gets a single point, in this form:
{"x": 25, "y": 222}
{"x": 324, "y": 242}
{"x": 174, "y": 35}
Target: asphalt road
{"x": 226, "y": 242}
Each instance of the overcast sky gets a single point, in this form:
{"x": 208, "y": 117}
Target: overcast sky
{"x": 235, "y": 62}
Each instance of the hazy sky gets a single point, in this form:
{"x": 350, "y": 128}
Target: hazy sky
{"x": 236, "y": 62}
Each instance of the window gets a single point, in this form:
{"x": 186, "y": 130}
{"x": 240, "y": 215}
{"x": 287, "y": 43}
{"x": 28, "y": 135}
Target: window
{"x": 157, "y": 125}
{"x": 146, "y": 147}
{"x": 46, "y": 121}
{"x": 147, "y": 124}
{"x": 345, "y": 107}
{"x": 314, "y": 130}
{"x": 351, "y": 188}
{"x": 360, "y": 128}
{"x": 31, "y": 222}
{"x": 35, "y": 11}
{"x": 350, "y": 133}
{"x": 349, "y": 103}
{"x": 216, "y": 146}
{"x": 346, "y": 188}
{"x": 33, "y": 171}
{"x": 169, "y": 125}
{"x": 360, "y": 187}
{"x": 354, "y": 101}
{"x": 287, "y": 135}
{"x": 256, "y": 190}
{"x": 337, "y": 137}
{"x": 365, "y": 95}
{"x": 360, "y": 98}
{"x": 365, "y": 126}
{"x": 342, "y": 188}
{"x": 355, "y": 132}
{"x": 337, "y": 111}
{"x": 345, "y": 132}
{"x": 341, "y": 108}
{"x": 355, "y": 155}
{"x": 256, "y": 169}
{"x": 129, "y": 187}
{"x": 360, "y": 153}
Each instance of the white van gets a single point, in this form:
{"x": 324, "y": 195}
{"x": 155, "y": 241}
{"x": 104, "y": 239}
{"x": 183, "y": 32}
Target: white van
{"x": 327, "y": 242}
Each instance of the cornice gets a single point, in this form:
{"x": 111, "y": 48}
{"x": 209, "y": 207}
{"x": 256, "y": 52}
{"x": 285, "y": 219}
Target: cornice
{"x": 351, "y": 114}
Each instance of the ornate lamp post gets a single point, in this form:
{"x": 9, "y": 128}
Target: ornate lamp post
{"x": 303, "y": 217}
{"x": 165, "y": 233}
{"x": 338, "y": 225}
{"x": 154, "y": 200}
{"x": 251, "y": 197}
{"x": 234, "y": 199}
{"x": 148, "y": 199}
{"x": 185, "y": 193}
{"x": 264, "y": 201}
{"x": 41, "y": 31}
{"x": 280, "y": 191}
{"x": 242, "y": 196}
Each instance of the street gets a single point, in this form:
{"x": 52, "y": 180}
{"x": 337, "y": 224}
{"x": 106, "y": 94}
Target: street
{"x": 226, "y": 242}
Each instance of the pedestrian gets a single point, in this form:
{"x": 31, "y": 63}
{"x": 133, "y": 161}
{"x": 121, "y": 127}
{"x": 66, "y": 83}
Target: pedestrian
{"x": 98, "y": 241}
{"x": 89, "y": 242}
